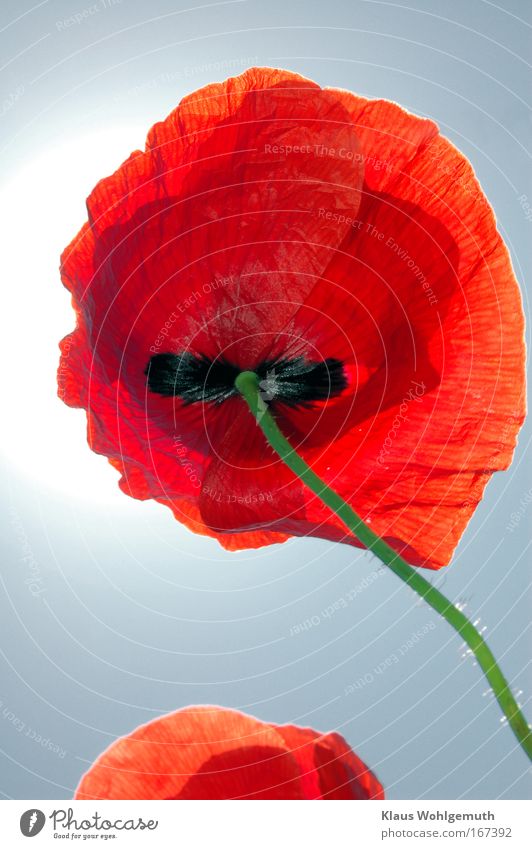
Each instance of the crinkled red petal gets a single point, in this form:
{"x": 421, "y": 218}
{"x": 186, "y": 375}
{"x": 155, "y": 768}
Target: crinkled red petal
{"x": 270, "y": 218}
{"x": 216, "y": 753}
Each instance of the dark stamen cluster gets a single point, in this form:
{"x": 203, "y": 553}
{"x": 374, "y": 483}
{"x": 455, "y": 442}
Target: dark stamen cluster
{"x": 296, "y": 382}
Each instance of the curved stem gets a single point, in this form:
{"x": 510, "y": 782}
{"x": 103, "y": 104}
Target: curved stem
{"x": 247, "y": 384}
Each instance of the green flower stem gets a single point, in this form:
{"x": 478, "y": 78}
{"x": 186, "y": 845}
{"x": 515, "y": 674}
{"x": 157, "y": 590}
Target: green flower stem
{"x": 247, "y": 384}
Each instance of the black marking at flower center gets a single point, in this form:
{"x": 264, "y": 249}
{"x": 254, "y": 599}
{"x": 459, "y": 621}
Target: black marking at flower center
{"x": 294, "y": 382}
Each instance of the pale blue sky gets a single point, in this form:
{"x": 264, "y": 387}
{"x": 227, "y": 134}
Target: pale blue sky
{"x": 131, "y": 615}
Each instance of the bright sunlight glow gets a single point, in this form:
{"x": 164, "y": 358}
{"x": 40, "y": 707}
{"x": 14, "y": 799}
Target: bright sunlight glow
{"x": 41, "y": 210}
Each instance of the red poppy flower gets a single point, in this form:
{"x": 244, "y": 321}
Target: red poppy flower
{"x": 214, "y": 753}
{"x": 341, "y": 248}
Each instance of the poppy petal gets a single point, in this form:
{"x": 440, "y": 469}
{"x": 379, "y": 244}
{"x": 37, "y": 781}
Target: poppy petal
{"x": 269, "y": 220}
{"x": 215, "y": 753}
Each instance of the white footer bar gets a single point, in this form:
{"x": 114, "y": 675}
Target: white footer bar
{"x": 267, "y": 825}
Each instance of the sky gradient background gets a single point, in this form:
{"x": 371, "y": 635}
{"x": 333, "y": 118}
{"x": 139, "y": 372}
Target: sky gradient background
{"x": 111, "y": 612}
